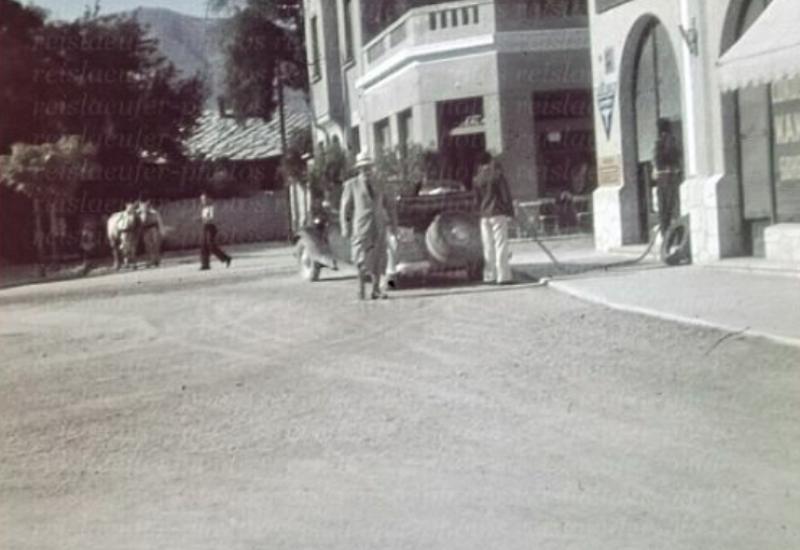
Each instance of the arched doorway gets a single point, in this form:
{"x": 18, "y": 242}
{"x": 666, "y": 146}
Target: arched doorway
{"x": 749, "y": 119}
{"x": 649, "y": 89}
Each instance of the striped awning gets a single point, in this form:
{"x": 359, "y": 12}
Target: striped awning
{"x": 768, "y": 52}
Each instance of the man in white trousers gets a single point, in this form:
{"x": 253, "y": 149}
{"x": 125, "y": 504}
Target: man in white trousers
{"x": 496, "y": 211}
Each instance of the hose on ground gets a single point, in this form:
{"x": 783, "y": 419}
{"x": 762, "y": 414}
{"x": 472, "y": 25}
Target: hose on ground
{"x": 573, "y": 269}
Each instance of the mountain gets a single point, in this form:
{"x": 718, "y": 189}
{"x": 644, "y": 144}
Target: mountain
{"x": 194, "y": 45}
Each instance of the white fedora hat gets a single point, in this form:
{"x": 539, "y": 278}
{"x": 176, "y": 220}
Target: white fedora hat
{"x": 363, "y": 159}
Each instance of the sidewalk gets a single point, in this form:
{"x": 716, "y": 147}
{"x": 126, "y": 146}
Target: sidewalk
{"x": 755, "y": 303}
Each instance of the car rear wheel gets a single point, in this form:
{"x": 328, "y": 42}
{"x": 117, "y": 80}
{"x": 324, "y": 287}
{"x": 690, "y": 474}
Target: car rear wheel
{"x": 453, "y": 237}
{"x": 309, "y": 269}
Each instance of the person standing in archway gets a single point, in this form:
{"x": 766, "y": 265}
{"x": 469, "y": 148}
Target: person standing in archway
{"x": 666, "y": 173}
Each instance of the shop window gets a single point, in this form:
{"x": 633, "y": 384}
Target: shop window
{"x": 348, "y": 29}
{"x": 383, "y": 138}
{"x": 355, "y": 140}
{"x": 405, "y": 129}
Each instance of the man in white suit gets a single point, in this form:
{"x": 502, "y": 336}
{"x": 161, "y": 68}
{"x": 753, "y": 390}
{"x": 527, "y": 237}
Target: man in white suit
{"x": 367, "y": 216}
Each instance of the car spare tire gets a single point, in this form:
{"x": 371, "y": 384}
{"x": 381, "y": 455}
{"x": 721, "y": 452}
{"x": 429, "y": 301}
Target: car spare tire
{"x": 676, "y": 247}
{"x": 453, "y": 237}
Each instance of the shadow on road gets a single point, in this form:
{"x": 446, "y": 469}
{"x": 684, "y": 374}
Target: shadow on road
{"x": 443, "y": 289}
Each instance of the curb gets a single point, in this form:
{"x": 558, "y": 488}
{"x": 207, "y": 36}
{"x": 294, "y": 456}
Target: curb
{"x": 672, "y": 317}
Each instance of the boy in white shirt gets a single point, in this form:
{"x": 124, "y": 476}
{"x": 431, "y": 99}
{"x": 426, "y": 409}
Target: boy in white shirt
{"x": 209, "y": 245}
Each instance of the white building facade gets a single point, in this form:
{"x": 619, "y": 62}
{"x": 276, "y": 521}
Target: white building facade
{"x": 663, "y": 58}
{"x": 509, "y": 76}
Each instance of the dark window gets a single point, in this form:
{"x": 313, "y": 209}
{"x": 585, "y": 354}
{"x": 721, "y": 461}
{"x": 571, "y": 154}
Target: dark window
{"x": 577, "y": 7}
{"x": 475, "y": 18}
{"x": 348, "y": 29}
{"x": 443, "y": 19}
{"x": 454, "y": 17}
{"x": 315, "y": 59}
{"x": 383, "y": 138}
{"x": 405, "y": 130}
{"x": 465, "y": 16}
{"x": 547, "y": 9}
{"x": 432, "y": 21}
{"x": 355, "y": 140}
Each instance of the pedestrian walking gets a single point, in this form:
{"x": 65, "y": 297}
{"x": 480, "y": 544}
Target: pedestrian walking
{"x": 666, "y": 172}
{"x": 367, "y": 218}
{"x": 209, "y": 245}
{"x": 496, "y": 210}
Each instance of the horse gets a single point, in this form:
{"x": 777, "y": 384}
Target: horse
{"x": 122, "y": 230}
{"x": 150, "y": 231}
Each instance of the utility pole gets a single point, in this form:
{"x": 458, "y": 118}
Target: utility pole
{"x": 282, "y": 112}
{"x": 284, "y": 149}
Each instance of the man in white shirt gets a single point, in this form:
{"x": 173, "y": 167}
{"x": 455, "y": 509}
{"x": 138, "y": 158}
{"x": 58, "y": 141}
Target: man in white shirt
{"x": 209, "y": 245}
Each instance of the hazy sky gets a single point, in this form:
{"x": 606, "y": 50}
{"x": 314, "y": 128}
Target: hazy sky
{"x": 72, "y": 9}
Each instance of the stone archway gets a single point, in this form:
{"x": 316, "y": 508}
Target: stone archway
{"x": 644, "y": 97}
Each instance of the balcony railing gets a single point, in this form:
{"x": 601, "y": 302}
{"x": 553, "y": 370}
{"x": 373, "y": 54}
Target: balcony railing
{"x": 434, "y": 23}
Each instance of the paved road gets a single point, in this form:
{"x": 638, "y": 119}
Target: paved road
{"x": 174, "y": 409}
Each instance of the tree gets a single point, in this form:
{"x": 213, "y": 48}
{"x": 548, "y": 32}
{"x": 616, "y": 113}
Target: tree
{"x": 265, "y": 51}
{"x": 19, "y": 27}
{"x": 293, "y": 163}
{"x": 330, "y": 168}
{"x": 48, "y": 174}
{"x": 110, "y": 85}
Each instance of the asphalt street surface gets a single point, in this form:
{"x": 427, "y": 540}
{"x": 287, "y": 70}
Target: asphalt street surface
{"x": 244, "y": 409}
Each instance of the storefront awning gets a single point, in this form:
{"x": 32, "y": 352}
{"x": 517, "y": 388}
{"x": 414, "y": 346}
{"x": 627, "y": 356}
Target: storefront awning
{"x": 472, "y": 124}
{"x": 769, "y": 51}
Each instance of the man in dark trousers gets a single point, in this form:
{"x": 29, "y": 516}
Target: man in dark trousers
{"x": 367, "y": 217}
{"x": 667, "y": 157}
{"x": 496, "y": 211}
{"x": 209, "y": 245}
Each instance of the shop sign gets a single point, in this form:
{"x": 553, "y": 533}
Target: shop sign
{"x": 786, "y": 113}
{"x": 606, "y": 96}
{"x": 609, "y": 170}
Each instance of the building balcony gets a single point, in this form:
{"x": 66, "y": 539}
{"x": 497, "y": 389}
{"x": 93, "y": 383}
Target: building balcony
{"x": 450, "y": 28}
{"x": 442, "y": 22}
{"x": 431, "y": 24}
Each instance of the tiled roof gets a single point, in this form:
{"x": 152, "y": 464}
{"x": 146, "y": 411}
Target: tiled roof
{"x": 218, "y": 137}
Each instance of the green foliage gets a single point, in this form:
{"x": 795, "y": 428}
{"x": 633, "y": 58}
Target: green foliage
{"x": 19, "y": 27}
{"x": 293, "y": 162}
{"x": 330, "y": 168}
{"x": 97, "y": 77}
{"x": 111, "y": 86}
{"x": 409, "y": 167}
{"x": 50, "y": 171}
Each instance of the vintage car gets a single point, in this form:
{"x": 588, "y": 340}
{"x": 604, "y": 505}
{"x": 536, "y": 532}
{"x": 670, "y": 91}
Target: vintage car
{"x": 438, "y": 233}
